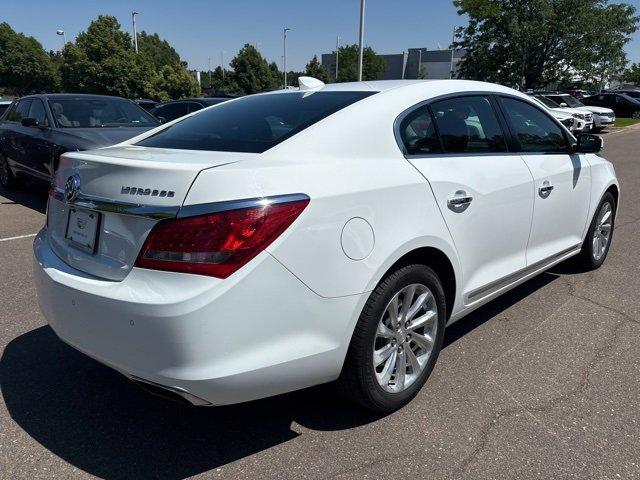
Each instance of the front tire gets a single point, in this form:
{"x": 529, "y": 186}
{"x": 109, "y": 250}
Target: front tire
{"x": 598, "y": 240}
{"x": 8, "y": 180}
{"x": 396, "y": 341}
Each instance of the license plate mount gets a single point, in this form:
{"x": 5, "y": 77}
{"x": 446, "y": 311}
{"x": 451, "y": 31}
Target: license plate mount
{"x": 82, "y": 228}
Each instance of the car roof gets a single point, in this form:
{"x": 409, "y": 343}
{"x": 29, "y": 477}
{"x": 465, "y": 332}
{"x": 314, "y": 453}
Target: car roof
{"x": 61, "y": 96}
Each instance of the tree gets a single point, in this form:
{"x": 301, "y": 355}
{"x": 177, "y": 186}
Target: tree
{"x": 316, "y": 70}
{"x": 632, "y": 74}
{"x": 103, "y": 61}
{"x": 372, "y": 65}
{"x": 251, "y": 72}
{"x": 25, "y": 67}
{"x": 538, "y": 42}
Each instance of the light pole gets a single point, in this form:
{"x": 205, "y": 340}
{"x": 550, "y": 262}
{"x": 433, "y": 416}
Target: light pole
{"x": 453, "y": 40}
{"x": 222, "y": 64}
{"x": 209, "y": 72}
{"x": 337, "y": 50}
{"x": 64, "y": 37}
{"x": 419, "y": 61}
{"x": 284, "y": 61}
{"x": 361, "y": 46}
{"x": 135, "y": 32}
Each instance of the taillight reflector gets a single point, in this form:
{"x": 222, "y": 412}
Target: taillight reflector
{"x": 216, "y": 244}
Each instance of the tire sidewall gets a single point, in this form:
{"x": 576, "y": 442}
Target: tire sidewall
{"x": 588, "y": 241}
{"x": 411, "y": 274}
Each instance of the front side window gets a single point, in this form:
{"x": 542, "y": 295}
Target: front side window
{"x": 534, "y": 129}
{"x": 79, "y": 112}
{"x": 252, "y": 124}
{"x": 19, "y": 111}
{"x": 418, "y": 133}
{"x": 171, "y": 111}
{"x": 37, "y": 111}
{"x": 468, "y": 124}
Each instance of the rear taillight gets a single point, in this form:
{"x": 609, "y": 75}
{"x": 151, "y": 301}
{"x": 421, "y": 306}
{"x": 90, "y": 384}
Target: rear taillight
{"x": 216, "y": 244}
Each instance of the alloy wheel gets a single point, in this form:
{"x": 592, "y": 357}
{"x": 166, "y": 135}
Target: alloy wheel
{"x": 602, "y": 232}
{"x": 405, "y": 337}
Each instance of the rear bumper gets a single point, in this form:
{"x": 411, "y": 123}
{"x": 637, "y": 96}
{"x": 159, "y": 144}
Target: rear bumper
{"x": 258, "y": 333}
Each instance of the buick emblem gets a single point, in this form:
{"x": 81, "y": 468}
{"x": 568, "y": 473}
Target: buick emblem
{"x": 72, "y": 187}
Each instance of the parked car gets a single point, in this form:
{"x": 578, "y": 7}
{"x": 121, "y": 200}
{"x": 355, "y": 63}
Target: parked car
{"x": 574, "y": 120}
{"x": 37, "y": 129}
{"x": 168, "y": 111}
{"x": 4, "y": 105}
{"x": 576, "y": 92}
{"x": 622, "y": 104}
{"x": 297, "y": 237}
{"x": 631, "y": 93}
{"x": 602, "y": 117}
{"x": 145, "y": 103}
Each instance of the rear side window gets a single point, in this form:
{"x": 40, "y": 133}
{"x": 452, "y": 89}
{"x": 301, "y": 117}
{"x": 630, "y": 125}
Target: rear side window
{"x": 468, "y": 124}
{"x": 252, "y": 124}
{"x": 418, "y": 133}
{"x": 534, "y": 130}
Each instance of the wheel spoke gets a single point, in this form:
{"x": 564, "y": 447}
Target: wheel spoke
{"x": 606, "y": 227}
{"x": 384, "y": 331}
{"x": 422, "y": 321}
{"x": 606, "y": 213}
{"x": 409, "y": 292}
{"x": 401, "y": 370}
{"x": 417, "y": 305}
{"x": 387, "y": 370}
{"x": 381, "y": 355}
{"x": 392, "y": 309}
{"x": 413, "y": 360}
{"x": 423, "y": 341}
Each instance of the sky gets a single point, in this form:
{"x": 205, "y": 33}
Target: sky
{"x": 200, "y": 30}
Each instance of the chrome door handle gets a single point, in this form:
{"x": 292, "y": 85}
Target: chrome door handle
{"x": 459, "y": 201}
{"x": 545, "y": 189}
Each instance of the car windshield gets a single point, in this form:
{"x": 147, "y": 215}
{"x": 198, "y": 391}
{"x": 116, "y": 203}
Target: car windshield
{"x": 547, "y": 101}
{"x": 252, "y": 124}
{"x": 82, "y": 112}
{"x": 635, "y": 95}
{"x": 628, "y": 98}
{"x": 571, "y": 101}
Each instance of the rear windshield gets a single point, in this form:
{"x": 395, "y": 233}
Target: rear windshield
{"x": 252, "y": 124}
{"x": 83, "y": 112}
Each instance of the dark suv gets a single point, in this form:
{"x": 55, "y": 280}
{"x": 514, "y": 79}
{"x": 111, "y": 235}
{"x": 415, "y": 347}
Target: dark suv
{"x": 36, "y": 129}
{"x": 621, "y": 103}
{"x": 167, "y": 111}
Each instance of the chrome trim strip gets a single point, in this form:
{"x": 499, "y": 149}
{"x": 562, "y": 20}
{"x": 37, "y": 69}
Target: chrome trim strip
{"x": 499, "y": 284}
{"x": 214, "y": 207}
{"x": 123, "y": 208}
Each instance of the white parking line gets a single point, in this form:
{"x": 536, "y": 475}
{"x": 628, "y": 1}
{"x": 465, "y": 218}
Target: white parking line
{"x": 18, "y": 237}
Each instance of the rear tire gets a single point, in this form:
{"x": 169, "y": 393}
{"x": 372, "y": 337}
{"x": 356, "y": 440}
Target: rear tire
{"x": 411, "y": 340}
{"x": 8, "y": 180}
{"x": 599, "y": 235}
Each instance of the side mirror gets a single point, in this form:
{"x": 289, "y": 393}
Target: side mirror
{"x": 162, "y": 119}
{"x": 588, "y": 143}
{"x": 29, "y": 122}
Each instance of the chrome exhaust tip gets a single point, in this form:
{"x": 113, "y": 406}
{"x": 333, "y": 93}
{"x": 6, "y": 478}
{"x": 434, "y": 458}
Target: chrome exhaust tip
{"x": 175, "y": 394}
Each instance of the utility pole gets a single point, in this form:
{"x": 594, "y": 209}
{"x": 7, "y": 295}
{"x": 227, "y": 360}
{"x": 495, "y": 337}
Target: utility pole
{"x": 284, "y": 61}
{"x": 337, "y": 50}
{"x": 222, "y": 64}
{"x": 419, "y": 62}
{"x": 64, "y": 37}
{"x": 361, "y": 46}
{"x": 135, "y": 32}
{"x": 209, "y": 72}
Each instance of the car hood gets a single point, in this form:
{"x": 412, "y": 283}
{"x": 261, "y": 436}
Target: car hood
{"x": 560, "y": 113}
{"x": 572, "y": 110}
{"x": 593, "y": 109}
{"x": 105, "y": 136}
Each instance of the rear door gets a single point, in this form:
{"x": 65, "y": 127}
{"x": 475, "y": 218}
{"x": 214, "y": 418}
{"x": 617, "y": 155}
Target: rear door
{"x": 38, "y": 143}
{"x": 562, "y": 181}
{"x": 483, "y": 191}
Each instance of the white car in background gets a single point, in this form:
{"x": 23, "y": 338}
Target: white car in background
{"x": 602, "y": 117}
{"x": 282, "y": 240}
{"x": 573, "y": 123}
{"x": 585, "y": 119}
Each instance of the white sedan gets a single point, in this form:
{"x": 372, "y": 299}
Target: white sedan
{"x": 330, "y": 233}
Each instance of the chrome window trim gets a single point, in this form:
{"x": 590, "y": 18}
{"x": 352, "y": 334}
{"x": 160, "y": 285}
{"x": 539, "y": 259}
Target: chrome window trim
{"x": 215, "y": 207}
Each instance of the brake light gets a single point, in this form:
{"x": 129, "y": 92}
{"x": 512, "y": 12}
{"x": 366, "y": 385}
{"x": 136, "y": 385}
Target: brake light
{"x": 216, "y": 244}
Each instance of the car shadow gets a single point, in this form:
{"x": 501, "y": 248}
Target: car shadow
{"x": 97, "y": 420}
{"x": 33, "y": 195}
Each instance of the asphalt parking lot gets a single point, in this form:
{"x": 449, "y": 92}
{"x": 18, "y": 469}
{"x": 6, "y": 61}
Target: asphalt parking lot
{"x": 542, "y": 383}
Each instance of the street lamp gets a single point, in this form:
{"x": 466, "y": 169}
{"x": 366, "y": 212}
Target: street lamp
{"x": 337, "y": 50}
{"x": 284, "y": 61}
{"x": 64, "y": 37}
{"x": 135, "y": 32}
{"x": 222, "y": 64}
{"x": 453, "y": 40}
{"x": 360, "y": 49}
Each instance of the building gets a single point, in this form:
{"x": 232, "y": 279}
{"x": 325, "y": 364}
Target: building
{"x": 414, "y": 63}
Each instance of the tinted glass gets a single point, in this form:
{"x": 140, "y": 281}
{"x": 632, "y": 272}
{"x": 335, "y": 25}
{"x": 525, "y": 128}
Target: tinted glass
{"x": 252, "y": 124}
{"x": 568, "y": 99}
{"x": 468, "y": 124}
{"x": 37, "y": 111}
{"x": 19, "y": 111}
{"x": 194, "y": 107}
{"x": 546, "y": 101}
{"x": 172, "y": 111}
{"x": 624, "y": 98}
{"x": 3, "y": 108}
{"x": 534, "y": 129}
{"x": 80, "y": 112}
{"x": 635, "y": 95}
{"x": 418, "y": 133}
